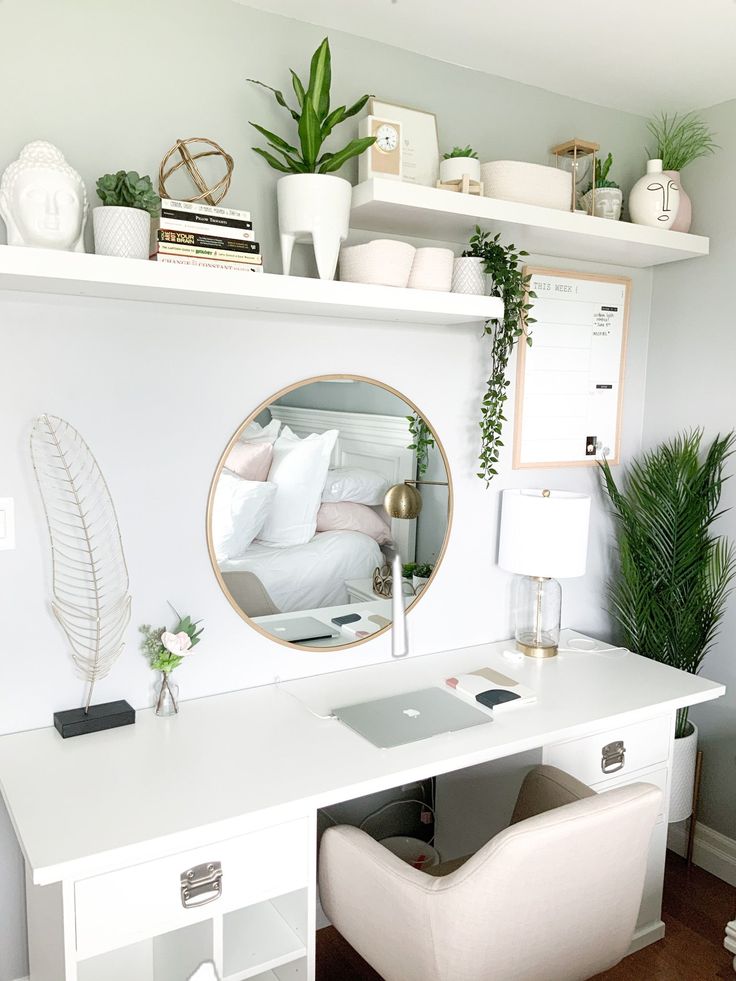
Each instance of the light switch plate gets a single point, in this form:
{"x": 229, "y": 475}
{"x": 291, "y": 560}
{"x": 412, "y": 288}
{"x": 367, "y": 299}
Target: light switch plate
{"x": 7, "y": 523}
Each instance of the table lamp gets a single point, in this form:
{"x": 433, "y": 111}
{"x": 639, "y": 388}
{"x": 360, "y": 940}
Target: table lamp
{"x": 544, "y": 534}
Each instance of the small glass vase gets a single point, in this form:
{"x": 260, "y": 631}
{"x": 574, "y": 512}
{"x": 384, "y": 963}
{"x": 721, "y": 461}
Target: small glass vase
{"x": 167, "y": 695}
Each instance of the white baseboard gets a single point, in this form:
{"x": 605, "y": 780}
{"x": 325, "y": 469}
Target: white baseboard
{"x": 712, "y": 851}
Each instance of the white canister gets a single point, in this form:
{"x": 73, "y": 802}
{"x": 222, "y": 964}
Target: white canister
{"x": 432, "y": 270}
{"x": 455, "y": 168}
{"x": 683, "y": 776}
{"x": 655, "y": 198}
{"x": 124, "y": 232}
{"x": 468, "y": 276}
{"x": 382, "y": 262}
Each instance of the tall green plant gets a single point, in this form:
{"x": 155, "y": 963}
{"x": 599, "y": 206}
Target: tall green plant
{"x": 314, "y": 120}
{"x": 675, "y": 573}
{"x": 680, "y": 139}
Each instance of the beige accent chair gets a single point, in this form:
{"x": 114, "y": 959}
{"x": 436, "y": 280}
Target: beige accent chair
{"x": 554, "y": 897}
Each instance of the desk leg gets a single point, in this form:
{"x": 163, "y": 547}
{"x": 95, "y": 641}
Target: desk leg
{"x": 50, "y": 918}
{"x": 312, "y": 900}
{"x": 730, "y": 942}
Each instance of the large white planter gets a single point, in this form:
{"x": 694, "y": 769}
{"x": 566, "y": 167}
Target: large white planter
{"x": 455, "y": 168}
{"x": 655, "y": 198}
{"x": 124, "y": 232}
{"x": 468, "y": 276}
{"x": 314, "y": 208}
{"x": 683, "y": 777}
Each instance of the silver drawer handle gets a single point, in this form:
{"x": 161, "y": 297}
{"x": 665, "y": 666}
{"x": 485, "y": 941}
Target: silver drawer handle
{"x": 613, "y": 756}
{"x": 201, "y": 885}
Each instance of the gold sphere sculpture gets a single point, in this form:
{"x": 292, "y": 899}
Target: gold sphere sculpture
{"x": 186, "y": 153}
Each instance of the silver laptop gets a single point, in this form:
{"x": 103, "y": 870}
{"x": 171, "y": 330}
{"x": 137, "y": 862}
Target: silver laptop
{"x": 297, "y": 629}
{"x": 402, "y": 719}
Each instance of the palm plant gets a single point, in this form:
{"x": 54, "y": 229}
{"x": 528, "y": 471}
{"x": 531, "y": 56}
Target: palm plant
{"x": 675, "y": 573}
{"x": 680, "y": 139}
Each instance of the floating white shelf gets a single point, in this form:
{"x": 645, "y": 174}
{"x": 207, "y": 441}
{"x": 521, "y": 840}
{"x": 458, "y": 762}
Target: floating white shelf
{"x": 412, "y": 210}
{"x": 79, "y": 274}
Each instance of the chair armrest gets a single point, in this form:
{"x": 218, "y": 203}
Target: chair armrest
{"x": 544, "y": 788}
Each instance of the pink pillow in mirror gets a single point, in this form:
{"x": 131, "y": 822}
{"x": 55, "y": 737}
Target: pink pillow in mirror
{"x": 346, "y": 516}
{"x": 251, "y": 461}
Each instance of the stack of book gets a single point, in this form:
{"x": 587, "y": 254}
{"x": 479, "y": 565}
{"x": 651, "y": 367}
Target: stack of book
{"x": 195, "y": 234}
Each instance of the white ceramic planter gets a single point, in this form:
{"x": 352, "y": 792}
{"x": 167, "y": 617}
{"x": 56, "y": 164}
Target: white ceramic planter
{"x": 608, "y": 202}
{"x": 468, "y": 276}
{"x": 381, "y": 262}
{"x": 432, "y": 270}
{"x": 314, "y": 208}
{"x": 655, "y": 198}
{"x": 455, "y": 168}
{"x": 419, "y": 582}
{"x": 527, "y": 183}
{"x": 684, "y": 218}
{"x": 124, "y": 232}
{"x": 683, "y": 776}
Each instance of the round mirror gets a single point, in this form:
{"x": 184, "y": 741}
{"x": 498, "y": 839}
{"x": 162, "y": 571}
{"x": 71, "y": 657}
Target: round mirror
{"x": 314, "y": 495}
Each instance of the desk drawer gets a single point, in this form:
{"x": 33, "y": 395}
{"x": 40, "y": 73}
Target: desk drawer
{"x": 614, "y": 752}
{"x": 128, "y": 905}
{"x": 656, "y": 777}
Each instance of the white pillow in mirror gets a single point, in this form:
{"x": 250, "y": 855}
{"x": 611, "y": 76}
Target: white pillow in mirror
{"x": 239, "y": 510}
{"x": 299, "y": 471}
{"x": 355, "y": 485}
{"x": 255, "y": 433}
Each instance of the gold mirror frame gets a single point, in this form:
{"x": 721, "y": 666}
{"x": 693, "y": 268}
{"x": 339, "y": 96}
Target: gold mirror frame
{"x": 221, "y": 463}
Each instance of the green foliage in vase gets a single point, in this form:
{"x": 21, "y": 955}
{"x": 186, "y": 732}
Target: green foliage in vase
{"x": 422, "y": 570}
{"x": 460, "y": 151}
{"x": 165, "y": 649}
{"x": 127, "y": 189}
{"x": 314, "y": 120}
{"x": 423, "y": 441}
{"x": 680, "y": 139}
{"x": 675, "y": 574}
{"x": 503, "y": 264}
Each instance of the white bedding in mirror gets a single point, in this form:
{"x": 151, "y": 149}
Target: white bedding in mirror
{"x": 306, "y": 577}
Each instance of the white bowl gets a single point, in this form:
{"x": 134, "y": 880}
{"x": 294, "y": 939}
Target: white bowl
{"x": 527, "y": 183}
{"x": 432, "y": 270}
{"x": 381, "y": 262}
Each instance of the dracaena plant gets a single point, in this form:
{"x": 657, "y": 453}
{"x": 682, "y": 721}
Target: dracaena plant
{"x": 315, "y": 121}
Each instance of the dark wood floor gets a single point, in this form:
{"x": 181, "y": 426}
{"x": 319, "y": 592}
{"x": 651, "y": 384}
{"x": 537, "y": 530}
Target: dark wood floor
{"x": 696, "y": 908}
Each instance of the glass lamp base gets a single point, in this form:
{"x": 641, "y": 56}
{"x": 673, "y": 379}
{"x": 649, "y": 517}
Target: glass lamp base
{"x": 537, "y": 607}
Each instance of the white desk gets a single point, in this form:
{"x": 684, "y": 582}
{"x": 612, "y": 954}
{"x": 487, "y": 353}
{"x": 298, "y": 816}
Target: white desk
{"x": 107, "y": 822}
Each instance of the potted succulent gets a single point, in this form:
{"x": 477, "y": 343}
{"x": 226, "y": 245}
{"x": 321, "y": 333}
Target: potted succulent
{"x": 604, "y": 198}
{"x": 458, "y": 163}
{"x": 122, "y": 225}
{"x": 420, "y": 575}
{"x": 313, "y": 204}
{"x": 680, "y": 140}
{"x": 669, "y": 596}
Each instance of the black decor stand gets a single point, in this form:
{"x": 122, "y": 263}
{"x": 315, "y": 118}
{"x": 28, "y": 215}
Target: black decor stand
{"x": 108, "y": 715}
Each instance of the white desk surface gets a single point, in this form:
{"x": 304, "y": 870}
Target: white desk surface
{"x": 234, "y": 762}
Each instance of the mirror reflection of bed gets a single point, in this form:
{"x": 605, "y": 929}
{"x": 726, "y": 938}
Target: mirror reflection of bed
{"x": 297, "y": 524}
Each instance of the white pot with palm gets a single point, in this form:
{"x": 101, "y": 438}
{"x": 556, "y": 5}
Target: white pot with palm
{"x": 670, "y": 595}
{"x": 313, "y": 204}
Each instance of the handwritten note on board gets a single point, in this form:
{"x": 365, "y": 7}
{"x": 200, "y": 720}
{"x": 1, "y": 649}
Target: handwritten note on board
{"x": 570, "y": 382}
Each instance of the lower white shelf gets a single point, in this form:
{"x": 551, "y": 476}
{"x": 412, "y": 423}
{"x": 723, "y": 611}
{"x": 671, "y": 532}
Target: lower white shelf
{"x": 265, "y": 937}
{"x": 297, "y": 971}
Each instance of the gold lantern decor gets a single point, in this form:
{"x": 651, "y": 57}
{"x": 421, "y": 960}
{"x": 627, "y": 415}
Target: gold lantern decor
{"x": 578, "y": 157}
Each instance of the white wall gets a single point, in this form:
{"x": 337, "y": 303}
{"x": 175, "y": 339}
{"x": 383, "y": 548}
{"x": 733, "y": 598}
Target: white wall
{"x": 158, "y": 390}
{"x": 691, "y": 382}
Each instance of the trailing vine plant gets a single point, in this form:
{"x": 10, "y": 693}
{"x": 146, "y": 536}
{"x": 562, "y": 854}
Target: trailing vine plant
{"x": 423, "y": 441}
{"x": 503, "y": 264}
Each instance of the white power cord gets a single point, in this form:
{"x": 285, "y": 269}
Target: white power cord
{"x": 279, "y": 686}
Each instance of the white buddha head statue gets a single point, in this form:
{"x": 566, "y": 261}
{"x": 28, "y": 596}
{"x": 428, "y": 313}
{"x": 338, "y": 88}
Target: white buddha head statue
{"x": 43, "y": 201}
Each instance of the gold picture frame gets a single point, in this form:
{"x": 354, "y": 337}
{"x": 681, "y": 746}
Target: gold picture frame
{"x": 420, "y": 152}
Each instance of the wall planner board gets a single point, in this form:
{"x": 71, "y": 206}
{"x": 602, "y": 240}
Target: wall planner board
{"x": 570, "y": 381}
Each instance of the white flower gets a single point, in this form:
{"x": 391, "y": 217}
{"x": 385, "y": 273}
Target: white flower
{"x": 179, "y": 644}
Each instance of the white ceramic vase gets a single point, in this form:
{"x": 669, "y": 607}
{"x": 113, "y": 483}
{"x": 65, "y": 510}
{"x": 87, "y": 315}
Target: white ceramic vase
{"x": 684, "y": 218}
{"x": 125, "y": 232}
{"x": 468, "y": 276}
{"x": 655, "y": 198}
{"x": 432, "y": 270}
{"x": 455, "y": 168}
{"x": 606, "y": 203}
{"x": 683, "y": 776}
{"x": 316, "y": 208}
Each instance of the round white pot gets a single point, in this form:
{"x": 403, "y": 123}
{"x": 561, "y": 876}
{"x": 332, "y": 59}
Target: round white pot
{"x": 455, "y": 168}
{"x": 419, "y": 582}
{"x": 685, "y": 211}
{"x": 608, "y": 202}
{"x": 683, "y": 776}
{"x": 468, "y": 276}
{"x": 655, "y": 198}
{"x": 432, "y": 270}
{"x": 123, "y": 232}
{"x": 316, "y": 208}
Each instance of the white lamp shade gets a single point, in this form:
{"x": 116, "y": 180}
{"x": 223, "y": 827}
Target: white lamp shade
{"x": 544, "y": 535}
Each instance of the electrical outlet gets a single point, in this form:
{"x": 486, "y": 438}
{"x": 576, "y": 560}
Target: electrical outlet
{"x": 7, "y": 523}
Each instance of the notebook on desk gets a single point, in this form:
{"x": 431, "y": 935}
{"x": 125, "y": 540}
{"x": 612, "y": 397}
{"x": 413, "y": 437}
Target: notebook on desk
{"x": 407, "y": 718}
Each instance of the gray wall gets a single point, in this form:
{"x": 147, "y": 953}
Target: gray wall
{"x": 691, "y": 381}
{"x": 157, "y": 388}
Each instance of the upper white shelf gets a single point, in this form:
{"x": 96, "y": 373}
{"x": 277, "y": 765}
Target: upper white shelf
{"x": 398, "y": 208}
{"x": 79, "y": 274}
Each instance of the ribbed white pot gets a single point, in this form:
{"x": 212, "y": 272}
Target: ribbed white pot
{"x": 683, "y": 777}
{"x": 124, "y": 232}
{"x": 316, "y": 208}
{"x": 468, "y": 275}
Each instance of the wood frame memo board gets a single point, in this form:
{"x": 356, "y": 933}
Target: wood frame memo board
{"x": 570, "y": 383}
